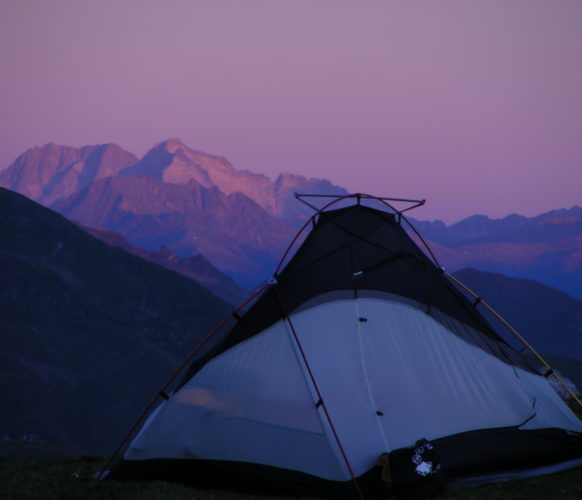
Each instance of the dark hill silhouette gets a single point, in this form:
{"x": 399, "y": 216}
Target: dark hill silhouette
{"x": 196, "y": 267}
{"x": 88, "y": 331}
{"x": 557, "y": 264}
{"x": 549, "y": 319}
{"x": 545, "y": 248}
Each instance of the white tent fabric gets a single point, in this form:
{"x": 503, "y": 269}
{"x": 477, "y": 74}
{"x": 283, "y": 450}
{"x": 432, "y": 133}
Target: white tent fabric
{"x": 407, "y": 376}
{"x": 251, "y": 404}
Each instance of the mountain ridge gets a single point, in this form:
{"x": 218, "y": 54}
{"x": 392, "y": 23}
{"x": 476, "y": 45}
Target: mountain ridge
{"x": 51, "y": 172}
{"x": 88, "y": 331}
{"x": 196, "y": 267}
{"x": 480, "y": 228}
{"x": 248, "y": 231}
{"x": 557, "y": 263}
{"x": 548, "y": 318}
{"x": 173, "y": 162}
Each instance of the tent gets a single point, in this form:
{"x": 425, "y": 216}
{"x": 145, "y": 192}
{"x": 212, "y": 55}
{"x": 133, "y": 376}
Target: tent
{"x": 329, "y": 380}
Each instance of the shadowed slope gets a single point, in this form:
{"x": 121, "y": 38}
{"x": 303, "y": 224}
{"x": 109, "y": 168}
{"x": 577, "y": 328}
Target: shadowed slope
{"x": 196, "y": 267}
{"x": 549, "y": 319}
{"x": 88, "y": 331}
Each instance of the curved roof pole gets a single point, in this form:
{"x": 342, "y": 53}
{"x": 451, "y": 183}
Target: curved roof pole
{"x": 358, "y": 197}
{"x": 162, "y": 392}
{"x": 549, "y": 369}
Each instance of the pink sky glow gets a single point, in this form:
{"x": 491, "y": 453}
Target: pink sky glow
{"x": 476, "y": 106}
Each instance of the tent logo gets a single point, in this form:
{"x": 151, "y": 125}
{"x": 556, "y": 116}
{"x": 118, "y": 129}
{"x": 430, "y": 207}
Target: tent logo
{"x": 425, "y": 465}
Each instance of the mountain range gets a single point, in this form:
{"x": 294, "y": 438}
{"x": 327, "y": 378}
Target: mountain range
{"x": 188, "y": 201}
{"x": 195, "y": 203}
{"x": 194, "y": 266}
{"x": 545, "y": 248}
{"x": 231, "y": 231}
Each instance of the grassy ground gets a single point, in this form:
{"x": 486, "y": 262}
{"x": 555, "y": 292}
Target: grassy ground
{"x": 69, "y": 479}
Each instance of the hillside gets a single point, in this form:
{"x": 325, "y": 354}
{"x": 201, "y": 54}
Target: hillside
{"x": 545, "y": 248}
{"x": 549, "y": 319}
{"x": 88, "y": 331}
{"x": 196, "y": 267}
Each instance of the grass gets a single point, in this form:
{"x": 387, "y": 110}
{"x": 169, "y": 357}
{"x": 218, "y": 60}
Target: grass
{"x": 70, "y": 479}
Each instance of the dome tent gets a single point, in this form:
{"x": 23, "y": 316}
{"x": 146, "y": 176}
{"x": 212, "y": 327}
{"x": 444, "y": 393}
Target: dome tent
{"x": 357, "y": 349}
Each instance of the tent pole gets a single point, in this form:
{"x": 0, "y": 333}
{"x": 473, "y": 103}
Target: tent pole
{"x": 163, "y": 390}
{"x": 546, "y": 365}
{"x": 318, "y": 393}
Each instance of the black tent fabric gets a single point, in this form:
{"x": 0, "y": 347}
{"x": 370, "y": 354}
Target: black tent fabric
{"x": 355, "y": 251}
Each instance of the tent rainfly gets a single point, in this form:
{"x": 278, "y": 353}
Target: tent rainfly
{"x": 359, "y": 369}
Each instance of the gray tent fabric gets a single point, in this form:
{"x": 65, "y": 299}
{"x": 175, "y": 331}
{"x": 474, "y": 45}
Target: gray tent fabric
{"x": 360, "y": 348}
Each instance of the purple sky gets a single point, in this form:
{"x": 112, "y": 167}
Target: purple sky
{"x": 476, "y": 106}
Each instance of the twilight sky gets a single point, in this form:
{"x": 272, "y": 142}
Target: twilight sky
{"x": 476, "y": 106}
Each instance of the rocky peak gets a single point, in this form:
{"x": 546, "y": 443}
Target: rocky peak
{"x": 285, "y": 187}
{"x": 172, "y": 145}
{"x": 173, "y": 162}
{"x": 286, "y": 179}
{"x": 52, "y": 172}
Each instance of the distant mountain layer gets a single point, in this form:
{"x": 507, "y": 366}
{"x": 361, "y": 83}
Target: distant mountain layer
{"x": 556, "y": 263}
{"x": 550, "y": 320}
{"x": 194, "y": 202}
{"x": 52, "y": 172}
{"x": 174, "y": 197}
{"x": 232, "y": 231}
{"x": 173, "y": 162}
{"x": 88, "y": 331}
{"x": 552, "y": 226}
{"x": 195, "y": 266}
